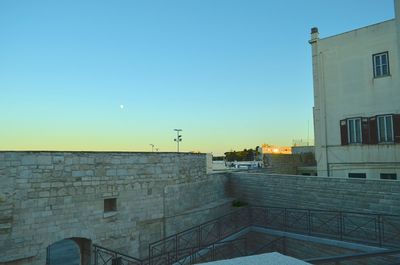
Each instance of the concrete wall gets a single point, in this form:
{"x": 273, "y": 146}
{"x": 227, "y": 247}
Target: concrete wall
{"x": 49, "y": 196}
{"x": 345, "y": 87}
{"x": 313, "y": 192}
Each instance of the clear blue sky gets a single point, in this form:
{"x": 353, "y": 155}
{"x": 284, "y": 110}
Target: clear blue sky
{"x": 232, "y": 74}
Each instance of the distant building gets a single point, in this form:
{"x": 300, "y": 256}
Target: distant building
{"x": 271, "y": 149}
{"x": 303, "y": 149}
{"x": 357, "y": 101}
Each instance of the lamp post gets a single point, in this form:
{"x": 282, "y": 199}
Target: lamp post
{"x": 178, "y": 138}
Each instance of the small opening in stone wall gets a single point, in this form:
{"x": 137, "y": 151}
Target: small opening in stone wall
{"x": 110, "y": 205}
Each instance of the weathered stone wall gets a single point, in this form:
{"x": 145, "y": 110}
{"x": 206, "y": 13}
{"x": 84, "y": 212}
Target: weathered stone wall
{"x": 48, "y": 196}
{"x": 185, "y": 208}
{"x": 328, "y": 193}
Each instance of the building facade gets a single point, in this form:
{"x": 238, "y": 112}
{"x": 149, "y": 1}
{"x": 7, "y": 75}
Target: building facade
{"x": 357, "y": 101}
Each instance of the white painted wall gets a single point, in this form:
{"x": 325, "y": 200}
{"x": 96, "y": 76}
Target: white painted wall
{"x": 345, "y": 87}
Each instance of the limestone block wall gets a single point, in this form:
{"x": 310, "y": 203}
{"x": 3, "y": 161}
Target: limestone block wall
{"x": 188, "y": 205}
{"x": 328, "y": 193}
{"x": 49, "y": 196}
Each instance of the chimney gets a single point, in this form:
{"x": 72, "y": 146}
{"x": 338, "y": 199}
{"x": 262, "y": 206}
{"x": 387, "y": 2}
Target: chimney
{"x": 314, "y": 35}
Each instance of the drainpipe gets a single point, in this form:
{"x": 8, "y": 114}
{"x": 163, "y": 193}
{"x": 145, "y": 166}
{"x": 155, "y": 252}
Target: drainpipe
{"x": 319, "y": 95}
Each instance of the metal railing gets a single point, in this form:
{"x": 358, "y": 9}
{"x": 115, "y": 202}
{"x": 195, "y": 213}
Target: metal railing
{"x": 372, "y": 229}
{"x": 105, "y": 256}
{"x": 276, "y": 245}
{"x": 199, "y": 236}
{"x": 382, "y": 257}
{"x": 220, "y": 250}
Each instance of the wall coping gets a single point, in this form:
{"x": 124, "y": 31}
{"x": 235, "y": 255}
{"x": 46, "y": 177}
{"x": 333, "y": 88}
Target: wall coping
{"x": 96, "y": 152}
{"x": 312, "y": 177}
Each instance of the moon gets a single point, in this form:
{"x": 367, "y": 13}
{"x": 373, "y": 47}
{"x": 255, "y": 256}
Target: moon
{"x": 121, "y": 106}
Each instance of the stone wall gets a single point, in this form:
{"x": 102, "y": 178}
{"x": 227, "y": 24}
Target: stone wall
{"x": 49, "y": 196}
{"x": 328, "y": 193}
{"x": 185, "y": 208}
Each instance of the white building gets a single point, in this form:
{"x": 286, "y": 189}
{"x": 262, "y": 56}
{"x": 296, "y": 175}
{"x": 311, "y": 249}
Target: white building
{"x": 357, "y": 101}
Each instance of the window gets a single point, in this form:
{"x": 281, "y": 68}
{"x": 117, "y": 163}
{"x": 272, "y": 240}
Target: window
{"x": 388, "y": 176}
{"x": 358, "y": 175}
{"x": 354, "y": 130}
{"x": 385, "y": 128}
{"x": 110, "y": 205}
{"x": 381, "y": 64}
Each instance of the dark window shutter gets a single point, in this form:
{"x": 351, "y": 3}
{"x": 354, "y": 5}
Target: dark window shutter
{"x": 396, "y": 128}
{"x": 373, "y": 130}
{"x": 365, "y": 131}
{"x": 343, "y": 132}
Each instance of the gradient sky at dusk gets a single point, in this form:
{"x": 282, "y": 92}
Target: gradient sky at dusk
{"x": 232, "y": 74}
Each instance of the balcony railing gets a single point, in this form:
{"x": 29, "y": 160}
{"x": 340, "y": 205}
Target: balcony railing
{"x": 372, "y": 229}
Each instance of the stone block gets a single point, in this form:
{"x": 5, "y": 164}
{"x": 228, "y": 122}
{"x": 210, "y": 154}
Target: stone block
{"x": 44, "y": 194}
{"x": 44, "y": 160}
{"x": 28, "y": 160}
{"x": 111, "y": 172}
{"x": 45, "y": 185}
{"x": 78, "y": 173}
{"x": 57, "y": 184}
{"x": 122, "y": 172}
{"x": 58, "y": 159}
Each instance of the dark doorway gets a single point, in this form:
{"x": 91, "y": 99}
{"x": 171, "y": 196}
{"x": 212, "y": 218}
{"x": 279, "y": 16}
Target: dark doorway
{"x": 69, "y": 251}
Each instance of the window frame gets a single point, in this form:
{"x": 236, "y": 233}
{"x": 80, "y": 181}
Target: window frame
{"x": 381, "y": 64}
{"x": 378, "y": 123}
{"x": 354, "y": 132}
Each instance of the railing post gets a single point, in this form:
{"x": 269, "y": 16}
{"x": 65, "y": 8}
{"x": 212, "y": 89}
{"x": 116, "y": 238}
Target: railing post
{"x": 48, "y": 255}
{"x": 149, "y": 254}
{"x": 95, "y": 255}
{"x": 285, "y": 219}
{"x": 213, "y": 251}
{"x": 201, "y": 235}
{"x": 380, "y": 229}
{"x": 192, "y": 256}
{"x": 251, "y": 222}
{"x": 198, "y": 238}
{"x": 176, "y": 247}
{"x": 341, "y": 225}
{"x": 284, "y": 246}
{"x": 245, "y": 246}
{"x": 219, "y": 229}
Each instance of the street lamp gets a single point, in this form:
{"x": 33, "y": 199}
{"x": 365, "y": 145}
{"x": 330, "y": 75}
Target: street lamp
{"x": 178, "y": 137}
{"x": 152, "y": 147}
